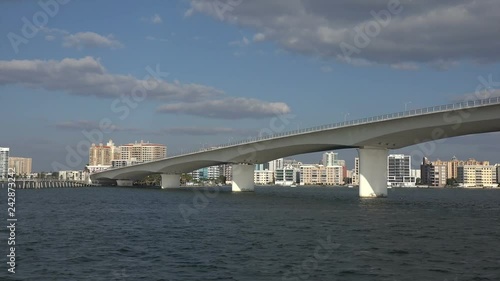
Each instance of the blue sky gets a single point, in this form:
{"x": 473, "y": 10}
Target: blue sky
{"x": 232, "y": 66}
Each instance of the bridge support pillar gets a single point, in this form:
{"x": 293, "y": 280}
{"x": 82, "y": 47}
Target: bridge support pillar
{"x": 170, "y": 181}
{"x": 124, "y": 182}
{"x": 373, "y": 172}
{"x": 243, "y": 178}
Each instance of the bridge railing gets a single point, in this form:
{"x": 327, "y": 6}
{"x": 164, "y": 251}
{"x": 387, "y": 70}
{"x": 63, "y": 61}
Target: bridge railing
{"x": 366, "y": 120}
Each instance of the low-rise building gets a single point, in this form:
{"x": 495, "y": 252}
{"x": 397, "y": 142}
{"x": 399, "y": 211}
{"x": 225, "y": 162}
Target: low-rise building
{"x": 321, "y": 175}
{"x": 98, "y": 168}
{"x": 71, "y": 175}
{"x": 477, "y": 176}
{"x": 263, "y": 177}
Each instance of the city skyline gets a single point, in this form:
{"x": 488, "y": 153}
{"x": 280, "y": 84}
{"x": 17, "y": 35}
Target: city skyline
{"x": 229, "y": 81}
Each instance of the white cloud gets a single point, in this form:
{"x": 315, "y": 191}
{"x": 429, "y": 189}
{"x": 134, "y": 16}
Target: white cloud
{"x": 88, "y": 77}
{"x": 228, "y": 108}
{"x": 82, "y": 40}
{"x": 258, "y": 37}
{"x": 156, "y": 19}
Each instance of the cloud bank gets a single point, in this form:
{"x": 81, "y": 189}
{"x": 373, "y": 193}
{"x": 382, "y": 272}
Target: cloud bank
{"x": 438, "y": 33}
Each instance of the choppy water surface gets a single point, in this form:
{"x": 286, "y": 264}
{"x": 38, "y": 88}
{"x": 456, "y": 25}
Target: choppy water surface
{"x": 272, "y": 234}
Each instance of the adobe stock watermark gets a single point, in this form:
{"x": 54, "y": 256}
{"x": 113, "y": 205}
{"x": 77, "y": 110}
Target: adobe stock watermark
{"x": 321, "y": 253}
{"x": 31, "y": 27}
{"x": 367, "y": 31}
{"x": 122, "y": 107}
{"x": 221, "y": 7}
{"x": 485, "y": 89}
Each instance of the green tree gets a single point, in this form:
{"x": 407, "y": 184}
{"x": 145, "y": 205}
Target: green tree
{"x": 451, "y": 182}
{"x": 221, "y": 179}
{"x": 186, "y": 178}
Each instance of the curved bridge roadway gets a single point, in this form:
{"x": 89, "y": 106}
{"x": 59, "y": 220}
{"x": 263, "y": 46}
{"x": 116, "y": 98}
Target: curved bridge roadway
{"x": 373, "y": 137}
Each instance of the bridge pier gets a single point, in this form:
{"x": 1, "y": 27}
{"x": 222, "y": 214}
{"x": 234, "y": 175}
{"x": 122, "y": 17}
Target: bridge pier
{"x": 243, "y": 178}
{"x": 373, "y": 172}
{"x": 124, "y": 182}
{"x": 170, "y": 181}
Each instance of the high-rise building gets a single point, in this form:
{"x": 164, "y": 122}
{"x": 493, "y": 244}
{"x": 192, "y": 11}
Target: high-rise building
{"x": 330, "y": 159}
{"x": 21, "y": 166}
{"x": 433, "y": 175}
{"x": 276, "y": 164}
{"x": 355, "y": 174}
{"x": 262, "y": 167}
{"x": 454, "y": 163}
{"x": 227, "y": 171}
{"x": 143, "y": 151}
{"x": 498, "y": 173}
{"x": 477, "y": 176}
{"x": 101, "y": 154}
{"x": 497, "y": 167}
{"x": 4, "y": 162}
{"x": 399, "y": 170}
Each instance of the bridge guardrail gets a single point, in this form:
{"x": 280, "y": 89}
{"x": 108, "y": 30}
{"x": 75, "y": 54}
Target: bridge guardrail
{"x": 366, "y": 120}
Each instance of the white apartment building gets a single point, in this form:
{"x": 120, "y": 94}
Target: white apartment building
{"x": 287, "y": 176}
{"x": 355, "y": 173}
{"x": 4, "y": 162}
{"x": 71, "y": 175}
{"x": 399, "y": 170}
{"x": 477, "y": 176}
{"x": 263, "y": 177}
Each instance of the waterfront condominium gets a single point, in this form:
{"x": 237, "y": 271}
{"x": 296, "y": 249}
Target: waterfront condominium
{"x": 143, "y": 151}
{"x": 477, "y": 176}
{"x": 101, "y": 154}
{"x": 4, "y": 162}
{"x": 399, "y": 170}
{"x": 432, "y": 174}
{"x": 21, "y": 166}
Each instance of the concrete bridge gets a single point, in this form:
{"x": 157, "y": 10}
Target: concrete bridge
{"x": 373, "y": 137}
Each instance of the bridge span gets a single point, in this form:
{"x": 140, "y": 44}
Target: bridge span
{"x": 374, "y": 137}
